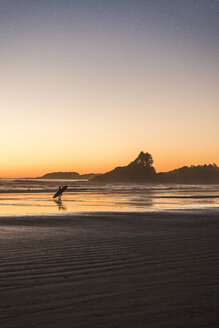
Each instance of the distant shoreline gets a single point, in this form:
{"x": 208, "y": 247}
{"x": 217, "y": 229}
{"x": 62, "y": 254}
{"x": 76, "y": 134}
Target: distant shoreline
{"x": 116, "y": 183}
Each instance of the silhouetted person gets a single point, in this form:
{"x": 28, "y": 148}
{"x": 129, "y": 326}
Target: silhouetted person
{"x": 60, "y": 194}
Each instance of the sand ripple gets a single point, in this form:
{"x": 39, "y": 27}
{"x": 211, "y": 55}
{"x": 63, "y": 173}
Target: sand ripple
{"x": 110, "y": 270}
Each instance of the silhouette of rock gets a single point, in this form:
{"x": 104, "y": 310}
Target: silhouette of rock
{"x": 142, "y": 171}
{"x": 200, "y": 174}
{"x": 138, "y": 171}
{"x": 68, "y": 176}
{"x": 88, "y": 176}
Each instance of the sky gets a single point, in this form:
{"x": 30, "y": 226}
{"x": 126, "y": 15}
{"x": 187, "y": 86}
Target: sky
{"x": 87, "y": 85}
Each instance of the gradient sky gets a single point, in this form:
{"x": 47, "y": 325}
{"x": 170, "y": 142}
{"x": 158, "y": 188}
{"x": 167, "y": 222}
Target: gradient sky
{"x": 86, "y": 85}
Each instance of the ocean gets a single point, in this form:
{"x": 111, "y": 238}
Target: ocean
{"x": 19, "y": 197}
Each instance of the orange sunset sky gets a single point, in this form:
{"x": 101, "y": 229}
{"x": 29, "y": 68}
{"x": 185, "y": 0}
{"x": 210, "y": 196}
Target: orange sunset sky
{"x": 86, "y": 85}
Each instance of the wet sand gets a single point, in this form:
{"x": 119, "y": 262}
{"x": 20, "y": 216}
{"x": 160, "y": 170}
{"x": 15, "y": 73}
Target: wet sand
{"x": 110, "y": 270}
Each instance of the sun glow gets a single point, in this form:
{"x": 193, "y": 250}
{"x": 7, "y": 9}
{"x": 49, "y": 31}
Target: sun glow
{"x": 86, "y": 90}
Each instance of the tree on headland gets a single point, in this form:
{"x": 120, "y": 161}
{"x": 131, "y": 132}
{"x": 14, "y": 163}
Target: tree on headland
{"x": 144, "y": 159}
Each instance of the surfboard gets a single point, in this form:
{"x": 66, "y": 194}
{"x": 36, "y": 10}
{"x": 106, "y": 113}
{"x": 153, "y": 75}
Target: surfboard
{"x": 60, "y": 191}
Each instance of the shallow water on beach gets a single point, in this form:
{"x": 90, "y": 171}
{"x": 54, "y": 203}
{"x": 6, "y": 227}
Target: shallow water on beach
{"x": 35, "y": 197}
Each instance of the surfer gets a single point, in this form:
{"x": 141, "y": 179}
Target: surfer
{"x": 60, "y": 192}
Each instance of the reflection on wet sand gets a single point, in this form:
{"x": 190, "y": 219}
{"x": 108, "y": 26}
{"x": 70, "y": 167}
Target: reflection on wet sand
{"x": 103, "y": 201}
{"x": 142, "y": 201}
{"x": 60, "y": 205}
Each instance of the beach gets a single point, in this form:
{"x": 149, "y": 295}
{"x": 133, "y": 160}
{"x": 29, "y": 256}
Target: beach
{"x": 110, "y": 269}
{"x": 109, "y": 171}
